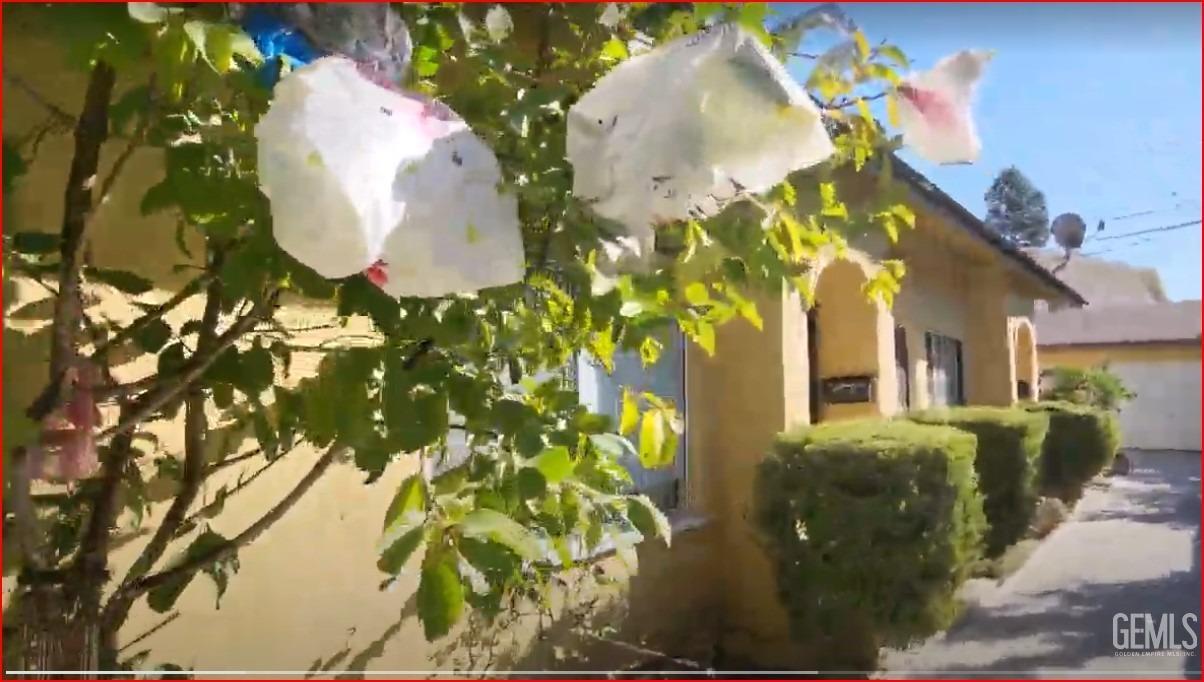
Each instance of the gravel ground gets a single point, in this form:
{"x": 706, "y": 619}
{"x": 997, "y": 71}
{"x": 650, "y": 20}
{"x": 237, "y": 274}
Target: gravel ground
{"x": 1131, "y": 546}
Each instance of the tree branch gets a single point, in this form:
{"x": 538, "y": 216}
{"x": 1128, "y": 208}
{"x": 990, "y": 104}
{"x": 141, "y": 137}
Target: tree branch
{"x": 193, "y": 518}
{"x": 192, "y": 370}
{"x": 195, "y": 427}
{"x": 91, "y": 131}
{"x": 846, "y": 102}
{"x": 150, "y": 582}
{"x": 156, "y": 313}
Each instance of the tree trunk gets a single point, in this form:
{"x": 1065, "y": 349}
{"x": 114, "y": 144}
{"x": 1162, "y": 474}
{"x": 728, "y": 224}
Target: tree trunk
{"x": 51, "y": 631}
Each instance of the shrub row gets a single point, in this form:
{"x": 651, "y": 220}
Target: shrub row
{"x": 1006, "y": 459}
{"x": 1081, "y": 443}
{"x": 874, "y": 524}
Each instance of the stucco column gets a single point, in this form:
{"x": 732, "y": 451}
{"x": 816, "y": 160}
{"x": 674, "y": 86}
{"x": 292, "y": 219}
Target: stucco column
{"x": 986, "y": 355}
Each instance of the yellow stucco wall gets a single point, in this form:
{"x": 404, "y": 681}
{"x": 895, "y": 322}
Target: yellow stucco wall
{"x": 1093, "y": 356}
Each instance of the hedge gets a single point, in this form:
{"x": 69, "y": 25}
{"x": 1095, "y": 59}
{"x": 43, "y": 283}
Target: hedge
{"x": 1007, "y": 460}
{"x": 1081, "y": 442}
{"x": 872, "y": 526}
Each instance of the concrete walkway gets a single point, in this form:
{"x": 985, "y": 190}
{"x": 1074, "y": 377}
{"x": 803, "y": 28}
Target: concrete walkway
{"x": 1129, "y": 547}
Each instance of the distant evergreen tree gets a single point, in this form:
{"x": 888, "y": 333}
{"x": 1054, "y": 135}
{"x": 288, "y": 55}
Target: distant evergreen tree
{"x": 1016, "y": 209}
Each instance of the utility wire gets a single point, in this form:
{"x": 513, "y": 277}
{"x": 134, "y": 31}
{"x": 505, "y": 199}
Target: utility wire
{"x": 1165, "y": 228}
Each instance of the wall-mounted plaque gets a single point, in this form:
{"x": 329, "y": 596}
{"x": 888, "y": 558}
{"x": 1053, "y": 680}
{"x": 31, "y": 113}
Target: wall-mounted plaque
{"x": 854, "y": 389}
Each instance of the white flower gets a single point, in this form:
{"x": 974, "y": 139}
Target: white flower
{"x": 934, "y": 108}
{"x": 612, "y": 15}
{"x": 498, "y": 23}
{"x": 365, "y": 179}
{"x": 682, "y": 130}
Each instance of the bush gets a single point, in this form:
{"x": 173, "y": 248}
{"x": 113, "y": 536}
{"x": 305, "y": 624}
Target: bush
{"x": 1096, "y": 387}
{"x": 1007, "y": 459}
{"x": 1081, "y": 442}
{"x": 872, "y": 526}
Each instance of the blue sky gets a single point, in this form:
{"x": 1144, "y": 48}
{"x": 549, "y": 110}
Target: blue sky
{"x": 1099, "y": 105}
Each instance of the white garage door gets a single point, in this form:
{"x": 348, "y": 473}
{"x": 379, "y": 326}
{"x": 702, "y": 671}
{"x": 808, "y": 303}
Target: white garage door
{"x": 1166, "y": 412}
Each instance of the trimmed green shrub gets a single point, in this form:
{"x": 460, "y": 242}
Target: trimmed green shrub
{"x": 1008, "y": 456}
{"x": 1081, "y": 442}
{"x": 872, "y": 526}
{"x": 1096, "y": 386}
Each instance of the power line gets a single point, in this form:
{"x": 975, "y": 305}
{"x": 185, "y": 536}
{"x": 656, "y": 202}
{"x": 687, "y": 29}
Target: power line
{"x": 1165, "y": 228}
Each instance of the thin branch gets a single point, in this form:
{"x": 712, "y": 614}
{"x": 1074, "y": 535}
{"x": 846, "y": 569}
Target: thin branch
{"x": 156, "y": 313}
{"x": 231, "y": 461}
{"x": 151, "y": 401}
{"x": 207, "y": 509}
{"x": 846, "y": 102}
{"x": 131, "y": 146}
{"x": 195, "y": 426}
{"x": 155, "y": 628}
{"x": 252, "y": 532}
{"x": 61, "y": 117}
{"x": 804, "y": 55}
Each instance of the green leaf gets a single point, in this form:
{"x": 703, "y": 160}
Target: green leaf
{"x": 440, "y": 594}
{"x": 894, "y": 54}
{"x": 406, "y": 511}
{"x": 647, "y": 519}
{"x": 531, "y": 483}
{"x": 36, "y": 243}
{"x": 652, "y": 439}
{"x": 650, "y": 351}
{"x": 697, "y": 294}
{"x": 487, "y": 524}
{"x": 863, "y": 46}
{"x": 630, "y": 413}
{"x": 162, "y": 598}
{"x": 149, "y": 12}
{"x": 121, "y": 280}
{"x": 614, "y": 50}
{"x": 393, "y": 559}
{"x": 613, "y": 444}
{"x": 153, "y": 336}
{"x": 256, "y": 371}
{"x": 554, "y": 463}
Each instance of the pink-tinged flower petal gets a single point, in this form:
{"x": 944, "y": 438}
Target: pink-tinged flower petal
{"x": 377, "y": 274}
{"x": 682, "y": 130}
{"x": 934, "y": 109}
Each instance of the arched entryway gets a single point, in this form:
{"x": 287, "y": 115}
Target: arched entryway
{"x": 852, "y": 349}
{"x": 1024, "y": 359}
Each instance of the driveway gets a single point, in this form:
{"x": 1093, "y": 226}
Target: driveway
{"x": 1131, "y": 547}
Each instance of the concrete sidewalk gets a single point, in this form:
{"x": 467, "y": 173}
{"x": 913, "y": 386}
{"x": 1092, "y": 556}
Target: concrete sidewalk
{"x": 1129, "y": 547}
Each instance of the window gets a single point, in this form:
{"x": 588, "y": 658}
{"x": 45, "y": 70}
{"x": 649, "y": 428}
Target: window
{"x": 603, "y": 393}
{"x": 945, "y": 371}
{"x": 902, "y": 369}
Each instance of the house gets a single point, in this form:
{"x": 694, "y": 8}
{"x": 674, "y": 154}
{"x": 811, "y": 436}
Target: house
{"x": 960, "y": 332}
{"x": 307, "y": 595}
{"x": 1153, "y": 347}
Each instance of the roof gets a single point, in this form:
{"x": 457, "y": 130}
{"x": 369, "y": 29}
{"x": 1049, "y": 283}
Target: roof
{"x": 1122, "y": 323}
{"x": 1102, "y": 281}
{"x": 976, "y": 227}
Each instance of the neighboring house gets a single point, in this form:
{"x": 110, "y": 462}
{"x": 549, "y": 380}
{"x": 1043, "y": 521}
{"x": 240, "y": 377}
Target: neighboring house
{"x": 306, "y": 594}
{"x": 1155, "y": 350}
{"x": 1102, "y": 282}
